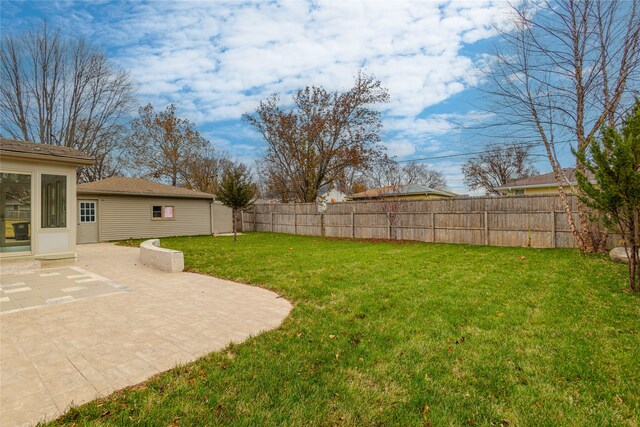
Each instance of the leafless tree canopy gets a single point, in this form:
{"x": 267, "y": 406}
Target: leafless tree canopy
{"x": 310, "y": 146}
{"x": 64, "y": 92}
{"x": 497, "y": 166}
{"x": 205, "y": 171}
{"x": 163, "y": 146}
{"x": 564, "y": 69}
{"x": 385, "y": 171}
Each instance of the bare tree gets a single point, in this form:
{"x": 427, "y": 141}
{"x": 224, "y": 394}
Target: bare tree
{"x": 417, "y": 173}
{"x": 385, "y": 171}
{"x": 63, "y": 92}
{"x": 325, "y": 133}
{"x": 204, "y": 171}
{"x": 497, "y": 166}
{"x": 352, "y": 180}
{"x": 272, "y": 184}
{"x": 162, "y": 146}
{"x": 561, "y": 72}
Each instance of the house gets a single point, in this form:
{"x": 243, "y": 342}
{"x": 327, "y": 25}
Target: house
{"x": 122, "y": 208}
{"x": 330, "y": 196}
{"x": 38, "y": 200}
{"x": 541, "y": 184}
{"x": 404, "y": 192}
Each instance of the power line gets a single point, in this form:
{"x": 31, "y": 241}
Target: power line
{"x": 529, "y": 145}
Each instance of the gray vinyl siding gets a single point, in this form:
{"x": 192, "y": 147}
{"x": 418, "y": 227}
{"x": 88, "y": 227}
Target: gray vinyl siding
{"x": 222, "y": 218}
{"x": 124, "y": 217}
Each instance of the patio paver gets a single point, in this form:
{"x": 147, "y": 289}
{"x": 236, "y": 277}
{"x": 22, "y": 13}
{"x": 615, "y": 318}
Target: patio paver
{"x": 53, "y": 356}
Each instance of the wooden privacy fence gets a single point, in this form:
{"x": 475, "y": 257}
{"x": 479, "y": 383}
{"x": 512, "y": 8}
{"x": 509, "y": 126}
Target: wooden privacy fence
{"x": 537, "y": 221}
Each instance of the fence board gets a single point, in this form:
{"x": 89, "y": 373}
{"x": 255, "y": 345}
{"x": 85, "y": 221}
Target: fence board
{"x": 537, "y": 221}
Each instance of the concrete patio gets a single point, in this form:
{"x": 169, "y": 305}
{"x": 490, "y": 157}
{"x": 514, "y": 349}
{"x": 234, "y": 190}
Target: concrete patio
{"x": 84, "y": 331}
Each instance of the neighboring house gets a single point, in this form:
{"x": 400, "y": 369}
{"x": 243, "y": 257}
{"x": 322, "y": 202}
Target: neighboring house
{"x": 122, "y": 208}
{"x": 404, "y": 192}
{"x": 541, "y": 184}
{"x": 38, "y": 200}
{"x": 331, "y": 196}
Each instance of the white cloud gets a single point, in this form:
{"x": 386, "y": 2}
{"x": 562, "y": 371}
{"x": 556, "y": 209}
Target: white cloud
{"x": 400, "y": 148}
{"x": 223, "y": 57}
{"x": 216, "y": 60}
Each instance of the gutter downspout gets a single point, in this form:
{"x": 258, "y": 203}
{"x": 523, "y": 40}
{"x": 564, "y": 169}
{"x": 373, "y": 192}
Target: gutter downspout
{"x": 211, "y": 217}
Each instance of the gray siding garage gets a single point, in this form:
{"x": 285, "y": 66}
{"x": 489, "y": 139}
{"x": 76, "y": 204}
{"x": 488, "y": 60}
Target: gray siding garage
{"x": 123, "y": 208}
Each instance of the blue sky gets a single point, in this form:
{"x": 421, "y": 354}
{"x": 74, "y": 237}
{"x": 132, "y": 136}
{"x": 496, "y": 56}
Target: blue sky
{"x": 216, "y": 60}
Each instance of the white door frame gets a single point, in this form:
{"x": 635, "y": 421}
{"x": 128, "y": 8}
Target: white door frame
{"x": 96, "y": 217}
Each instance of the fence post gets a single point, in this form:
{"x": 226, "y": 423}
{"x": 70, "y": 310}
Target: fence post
{"x": 295, "y": 222}
{"x": 486, "y": 228}
{"x": 254, "y": 219}
{"x": 272, "y": 221}
{"x": 433, "y": 227}
{"x": 353, "y": 225}
{"x": 553, "y": 228}
{"x": 389, "y": 227}
{"x": 241, "y": 220}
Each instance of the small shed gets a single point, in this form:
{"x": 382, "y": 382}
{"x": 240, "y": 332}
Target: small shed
{"x": 122, "y": 208}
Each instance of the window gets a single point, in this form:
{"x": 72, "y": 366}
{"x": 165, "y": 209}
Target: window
{"x": 15, "y": 212}
{"x": 54, "y": 201}
{"x": 162, "y": 213}
{"x": 168, "y": 212}
{"x": 87, "y": 212}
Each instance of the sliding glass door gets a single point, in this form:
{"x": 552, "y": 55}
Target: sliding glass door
{"x": 15, "y": 212}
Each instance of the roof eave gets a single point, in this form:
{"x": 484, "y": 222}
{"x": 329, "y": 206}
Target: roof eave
{"x": 517, "y": 187}
{"x": 47, "y": 157}
{"x": 380, "y": 196}
{"x": 131, "y": 193}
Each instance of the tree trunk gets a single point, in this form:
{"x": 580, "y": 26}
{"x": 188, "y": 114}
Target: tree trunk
{"x": 585, "y": 232}
{"x": 634, "y": 261}
{"x": 233, "y": 222}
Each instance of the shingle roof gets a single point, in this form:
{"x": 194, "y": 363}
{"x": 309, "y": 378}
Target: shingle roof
{"x": 139, "y": 187}
{"x": 402, "y": 190}
{"x": 544, "y": 180}
{"x": 44, "y": 150}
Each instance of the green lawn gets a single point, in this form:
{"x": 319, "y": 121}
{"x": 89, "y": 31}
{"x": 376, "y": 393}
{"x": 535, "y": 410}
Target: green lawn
{"x": 406, "y": 334}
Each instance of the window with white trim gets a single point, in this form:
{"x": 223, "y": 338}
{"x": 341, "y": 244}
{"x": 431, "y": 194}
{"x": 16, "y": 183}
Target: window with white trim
{"x": 160, "y": 212}
{"x": 54, "y": 201}
{"x": 87, "y": 212}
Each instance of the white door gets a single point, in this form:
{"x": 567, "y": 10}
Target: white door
{"x": 87, "y": 221}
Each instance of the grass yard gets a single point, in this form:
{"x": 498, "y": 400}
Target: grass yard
{"x": 406, "y": 334}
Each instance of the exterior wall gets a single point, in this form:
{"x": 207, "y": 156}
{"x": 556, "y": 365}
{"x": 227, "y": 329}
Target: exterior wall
{"x": 534, "y": 191}
{"x": 409, "y": 197}
{"x": 46, "y": 242}
{"x": 221, "y": 218}
{"x": 124, "y": 217}
{"x": 543, "y": 190}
